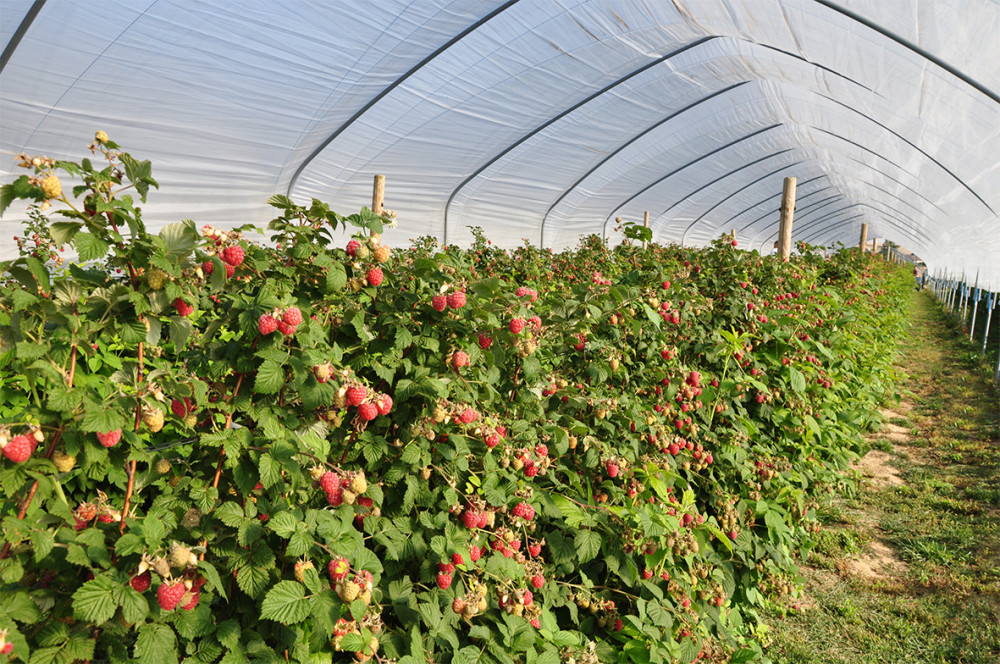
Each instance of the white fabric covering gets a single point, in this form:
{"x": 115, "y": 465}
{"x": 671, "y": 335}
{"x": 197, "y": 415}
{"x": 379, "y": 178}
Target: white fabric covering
{"x": 536, "y": 119}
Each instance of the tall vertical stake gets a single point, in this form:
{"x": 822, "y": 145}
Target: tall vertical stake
{"x": 787, "y": 214}
{"x": 378, "y": 194}
{"x": 975, "y": 310}
{"x": 645, "y": 224}
{"x": 989, "y": 317}
{"x": 863, "y": 242}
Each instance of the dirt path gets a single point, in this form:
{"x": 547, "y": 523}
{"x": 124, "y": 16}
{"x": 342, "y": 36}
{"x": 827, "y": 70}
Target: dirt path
{"x": 909, "y": 569}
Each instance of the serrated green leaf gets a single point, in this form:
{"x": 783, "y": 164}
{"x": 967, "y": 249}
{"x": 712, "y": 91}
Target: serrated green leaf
{"x": 156, "y": 644}
{"x": 588, "y": 545}
{"x": 270, "y": 378}
{"x": 94, "y": 602}
{"x": 90, "y": 247}
{"x": 286, "y": 603}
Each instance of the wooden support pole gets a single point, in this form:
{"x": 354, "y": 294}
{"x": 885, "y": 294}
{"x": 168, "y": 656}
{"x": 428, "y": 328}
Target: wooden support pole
{"x": 787, "y": 213}
{"x": 975, "y": 310}
{"x": 874, "y": 239}
{"x": 645, "y": 224}
{"x": 863, "y": 243}
{"x": 378, "y": 194}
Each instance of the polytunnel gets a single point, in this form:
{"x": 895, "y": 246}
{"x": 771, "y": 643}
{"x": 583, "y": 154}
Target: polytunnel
{"x": 537, "y": 120}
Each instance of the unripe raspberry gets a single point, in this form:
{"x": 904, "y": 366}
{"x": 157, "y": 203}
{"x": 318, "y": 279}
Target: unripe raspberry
{"x": 382, "y": 254}
{"x": 51, "y": 187}
{"x": 156, "y": 278}
{"x": 350, "y": 591}
{"x": 101, "y": 136}
{"x": 64, "y": 462}
{"x": 153, "y": 419}
{"x": 358, "y": 483}
{"x": 362, "y": 253}
{"x": 300, "y": 569}
{"x": 339, "y": 568}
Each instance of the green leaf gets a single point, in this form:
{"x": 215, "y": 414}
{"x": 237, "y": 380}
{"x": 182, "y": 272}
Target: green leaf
{"x": 286, "y": 603}
{"x": 270, "y": 378}
{"x": 179, "y": 239}
{"x": 63, "y": 231}
{"x": 283, "y": 524}
{"x": 270, "y": 471}
{"x": 588, "y": 545}
{"x": 156, "y": 644}
{"x": 90, "y": 247}
{"x": 797, "y": 380}
{"x": 180, "y": 330}
{"x": 95, "y": 600}
{"x": 210, "y": 573}
{"x": 134, "y": 605}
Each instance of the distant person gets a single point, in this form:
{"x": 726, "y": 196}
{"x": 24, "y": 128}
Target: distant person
{"x": 774, "y": 249}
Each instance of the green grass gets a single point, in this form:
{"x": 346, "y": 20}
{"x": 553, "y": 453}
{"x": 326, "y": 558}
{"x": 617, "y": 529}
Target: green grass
{"x": 940, "y": 600}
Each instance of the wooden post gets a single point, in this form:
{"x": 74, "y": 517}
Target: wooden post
{"x": 863, "y": 243}
{"x": 787, "y": 213}
{"x": 645, "y": 224}
{"x": 378, "y": 194}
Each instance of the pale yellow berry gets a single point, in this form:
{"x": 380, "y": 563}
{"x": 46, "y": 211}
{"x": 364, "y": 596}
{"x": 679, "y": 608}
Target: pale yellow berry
{"x": 51, "y": 187}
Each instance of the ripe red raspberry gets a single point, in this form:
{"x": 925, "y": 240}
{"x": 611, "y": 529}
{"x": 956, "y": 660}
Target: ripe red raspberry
{"x": 266, "y": 324}
{"x": 522, "y": 291}
{"x": 329, "y": 481}
{"x": 208, "y": 267}
{"x": 456, "y": 300}
{"x": 534, "y": 550}
{"x": 459, "y": 359}
{"x": 168, "y": 595}
{"x": 457, "y": 559}
{"x": 183, "y": 308}
{"x": 529, "y": 598}
{"x": 530, "y": 469}
{"x": 444, "y": 581}
{"x": 233, "y": 255}
{"x": 470, "y": 519}
{"x": 292, "y": 316}
{"x": 492, "y": 440}
{"x": 285, "y": 328}
{"x": 230, "y": 270}
{"x": 536, "y": 322}
{"x": 356, "y": 394}
{"x": 352, "y": 248}
{"x": 384, "y": 404}
{"x": 19, "y": 448}
{"x": 335, "y": 496}
{"x": 536, "y": 623}
{"x": 524, "y": 511}
{"x": 612, "y": 469}
{"x": 516, "y": 325}
{"x": 582, "y": 341}
{"x": 484, "y": 519}
{"x": 458, "y": 605}
{"x": 111, "y": 438}
{"x": 468, "y": 416}
{"x": 647, "y": 573}
{"x": 338, "y": 568}
{"x": 618, "y": 625}
{"x": 537, "y": 581}
{"x": 439, "y": 302}
{"x": 367, "y": 412}
{"x": 445, "y": 568}
{"x": 475, "y": 552}
{"x": 485, "y": 340}
{"x": 375, "y": 276}
{"x": 141, "y": 581}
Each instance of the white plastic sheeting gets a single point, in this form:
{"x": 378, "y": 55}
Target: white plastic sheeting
{"x": 535, "y": 119}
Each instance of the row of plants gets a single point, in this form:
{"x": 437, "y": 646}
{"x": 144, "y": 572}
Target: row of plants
{"x": 319, "y": 448}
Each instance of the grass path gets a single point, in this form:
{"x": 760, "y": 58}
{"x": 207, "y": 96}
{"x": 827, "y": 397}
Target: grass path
{"x": 908, "y": 570}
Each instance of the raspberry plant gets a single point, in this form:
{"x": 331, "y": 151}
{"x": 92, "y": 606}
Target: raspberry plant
{"x": 313, "y": 450}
